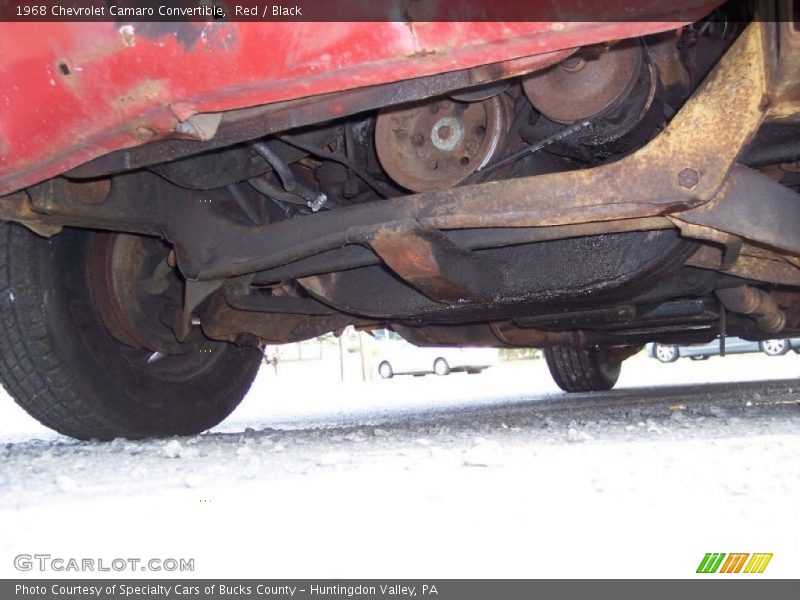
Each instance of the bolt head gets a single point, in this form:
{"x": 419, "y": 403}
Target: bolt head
{"x": 445, "y": 132}
{"x": 688, "y": 178}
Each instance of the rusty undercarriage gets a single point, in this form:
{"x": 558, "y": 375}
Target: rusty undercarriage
{"x": 635, "y": 191}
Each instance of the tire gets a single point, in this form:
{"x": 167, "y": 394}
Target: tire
{"x": 440, "y": 367}
{"x": 775, "y": 347}
{"x": 60, "y": 364}
{"x": 474, "y": 371}
{"x": 666, "y": 354}
{"x": 700, "y": 357}
{"x": 385, "y": 370}
{"x": 589, "y": 370}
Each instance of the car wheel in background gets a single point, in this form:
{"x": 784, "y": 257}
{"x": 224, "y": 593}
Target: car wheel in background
{"x": 474, "y": 371}
{"x": 774, "y": 347}
{"x": 385, "y": 370}
{"x": 587, "y": 370}
{"x": 440, "y": 367}
{"x": 700, "y": 357}
{"x": 666, "y": 354}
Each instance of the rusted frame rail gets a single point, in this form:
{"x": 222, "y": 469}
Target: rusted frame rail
{"x": 684, "y": 168}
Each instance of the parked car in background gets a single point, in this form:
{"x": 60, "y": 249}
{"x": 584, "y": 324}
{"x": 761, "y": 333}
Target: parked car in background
{"x": 733, "y": 345}
{"x": 399, "y": 357}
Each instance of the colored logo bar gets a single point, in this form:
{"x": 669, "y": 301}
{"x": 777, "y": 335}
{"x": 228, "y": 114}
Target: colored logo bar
{"x": 737, "y": 562}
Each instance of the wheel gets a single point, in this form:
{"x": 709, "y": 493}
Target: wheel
{"x": 700, "y": 357}
{"x": 440, "y": 367}
{"x": 474, "y": 371}
{"x": 385, "y": 370}
{"x": 774, "y": 347}
{"x": 588, "y": 370}
{"x": 666, "y": 354}
{"x": 61, "y": 363}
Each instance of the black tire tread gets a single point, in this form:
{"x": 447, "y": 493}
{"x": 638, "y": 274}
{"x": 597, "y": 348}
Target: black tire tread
{"x": 585, "y": 370}
{"x": 38, "y": 373}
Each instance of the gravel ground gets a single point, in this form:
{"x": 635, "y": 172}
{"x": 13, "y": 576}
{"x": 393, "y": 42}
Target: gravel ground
{"x": 493, "y": 475}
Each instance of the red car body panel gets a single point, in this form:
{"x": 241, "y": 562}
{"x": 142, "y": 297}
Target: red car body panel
{"x": 75, "y": 91}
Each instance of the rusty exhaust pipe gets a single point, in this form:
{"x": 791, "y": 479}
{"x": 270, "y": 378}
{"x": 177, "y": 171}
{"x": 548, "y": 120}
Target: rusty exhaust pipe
{"x": 755, "y": 303}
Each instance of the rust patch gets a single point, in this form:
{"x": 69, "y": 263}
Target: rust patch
{"x": 511, "y": 335}
{"x": 785, "y": 82}
{"x": 90, "y": 192}
{"x": 222, "y": 322}
{"x": 585, "y": 85}
{"x": 143, "y": 94}
{"x": 753, "y": 263}
{"x": 18, "y": 207}
{"x": 434, "y": 265}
